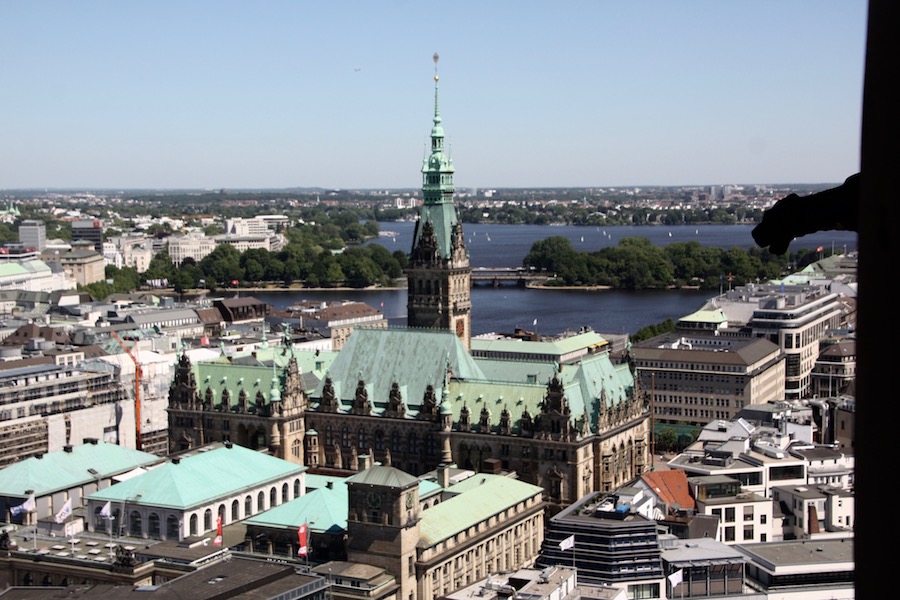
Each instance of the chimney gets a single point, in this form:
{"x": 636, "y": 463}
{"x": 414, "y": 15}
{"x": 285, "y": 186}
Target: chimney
{"x": 176, "y": 460}
{"x": 364, "y": 462}
{"x": 90, "y": 440}
{"x": 227, "y": 443}
{"x": 329, "y": 485}
{"x": 67, "y": 447}
{"x": 443, "y": 475}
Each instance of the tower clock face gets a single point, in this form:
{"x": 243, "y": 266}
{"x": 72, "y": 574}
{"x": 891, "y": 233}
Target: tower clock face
{"x": 373, "y": 500}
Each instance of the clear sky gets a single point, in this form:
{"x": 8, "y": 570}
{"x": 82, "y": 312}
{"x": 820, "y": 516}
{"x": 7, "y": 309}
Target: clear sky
{"x": 290, "y": 93}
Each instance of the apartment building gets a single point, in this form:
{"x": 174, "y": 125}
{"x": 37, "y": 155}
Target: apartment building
{"x": 816, "y": 512}
{"x": 45, "y": 407}
{"x": 834, "y": 371}
{"x": 744, "y": 516}
{"x": 195, "y": 246}
{"x": 82, "y": 264}
{"x": 90, "y": 230}
{"x": 793, "y": 317}
{"x": 690, "y": 379}
{"x": 33, "y": 234}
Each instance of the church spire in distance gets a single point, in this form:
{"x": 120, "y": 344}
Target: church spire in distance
{"x": 439, "y": 275}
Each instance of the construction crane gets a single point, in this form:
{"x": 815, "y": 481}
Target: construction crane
{"x": 137, "y": 389}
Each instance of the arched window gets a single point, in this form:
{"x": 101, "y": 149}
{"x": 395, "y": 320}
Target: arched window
{"x": 173, "y": 531}
{"x": 207, "y": 520}
{"x": 273, "y": 497}
{"x": 248, "y": 506}
{"x": 261, "y": 502}
{"x": 297, "y": 490}
{"x": 153, "y": 526}
{"x": 135, "y": 527}
{"x": 235, "y": 510}
{"x": 193, "y": 529}
{"x": 284, "y": 493}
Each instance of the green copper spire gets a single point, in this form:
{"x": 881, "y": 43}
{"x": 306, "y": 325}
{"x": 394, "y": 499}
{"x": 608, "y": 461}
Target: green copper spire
{"x": 437, "y": 184}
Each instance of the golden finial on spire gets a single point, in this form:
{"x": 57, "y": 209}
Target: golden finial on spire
{"x": 436, "y": 58}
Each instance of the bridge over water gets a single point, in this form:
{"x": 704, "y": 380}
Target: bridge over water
{"x": 497, "y": 276}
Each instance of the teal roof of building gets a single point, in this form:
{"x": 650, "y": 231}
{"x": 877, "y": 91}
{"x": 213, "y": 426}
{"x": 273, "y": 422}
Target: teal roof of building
{"x": 521, "y": 385}
{"x": 324, "y": 510}
{"x": 62, "y": 470}
{"x": 239, "y": 373}
{"x": 707, "y": 314}
{"x": 30, "y": 267}
{"x": 414, "y": 358}
{"x": 478, "y": 497}
{"x": 202, "y": 477}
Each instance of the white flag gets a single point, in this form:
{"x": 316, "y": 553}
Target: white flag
{"x": 567, "y": 543}
{"x": 106, "y": 511}
{"x": 676, "y": 577}
{"x": 535, "y": 322}
{"x": 64, "y": 512}
{"x": 26, "y": 507}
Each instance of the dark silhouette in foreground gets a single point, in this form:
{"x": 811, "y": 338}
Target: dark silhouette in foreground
{"x": 795, "y": 216}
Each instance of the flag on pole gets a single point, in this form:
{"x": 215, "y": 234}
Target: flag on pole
{"x": 217, "y": 541}
{"x": 676, "y": 577}
{"x": 106, "y": 511}
{"x": 302, "y": 534}
{"x": 567, "y": 543}
{"x": 534, "y": 323}
{"x": 26, "y": 507}
{"x": 65, "y": 512}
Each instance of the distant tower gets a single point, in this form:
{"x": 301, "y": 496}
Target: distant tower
{"x": 439, "y": 275}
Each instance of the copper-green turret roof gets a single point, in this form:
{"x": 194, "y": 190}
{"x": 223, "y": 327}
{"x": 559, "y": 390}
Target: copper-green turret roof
{"x": 438, "y": 208}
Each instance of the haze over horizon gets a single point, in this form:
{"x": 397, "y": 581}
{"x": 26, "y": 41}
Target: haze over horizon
{"x": 241, "y": 95}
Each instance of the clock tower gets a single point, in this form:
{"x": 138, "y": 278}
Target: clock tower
{"x": 383, "y": 523}
{"x": 439, "y": 278}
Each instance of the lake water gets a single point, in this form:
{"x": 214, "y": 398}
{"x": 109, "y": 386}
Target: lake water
{"x": 505, "y": 308}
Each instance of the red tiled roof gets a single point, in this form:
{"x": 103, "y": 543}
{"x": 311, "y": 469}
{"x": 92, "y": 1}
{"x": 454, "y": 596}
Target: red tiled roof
{"x": 671, "y": 486}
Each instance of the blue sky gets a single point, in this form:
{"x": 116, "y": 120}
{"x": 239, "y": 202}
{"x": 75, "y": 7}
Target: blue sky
{"x": 274, "y": 94}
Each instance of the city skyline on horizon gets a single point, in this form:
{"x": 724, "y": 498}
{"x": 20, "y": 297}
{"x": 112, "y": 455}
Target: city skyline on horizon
{"x": 241, "y": 96}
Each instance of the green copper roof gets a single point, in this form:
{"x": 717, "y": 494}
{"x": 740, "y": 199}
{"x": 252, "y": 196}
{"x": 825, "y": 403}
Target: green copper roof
{"x": 707, "y": 314}
{"x": 520, "y": 385}
{"x": 253, "y": 372}
{"x": 202, "y": 477}
{"x": 324, "y": 510}
{"x": 479, "y": 497}
{"x": 414, "y": 358}
{"x": 63, "y": 470}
